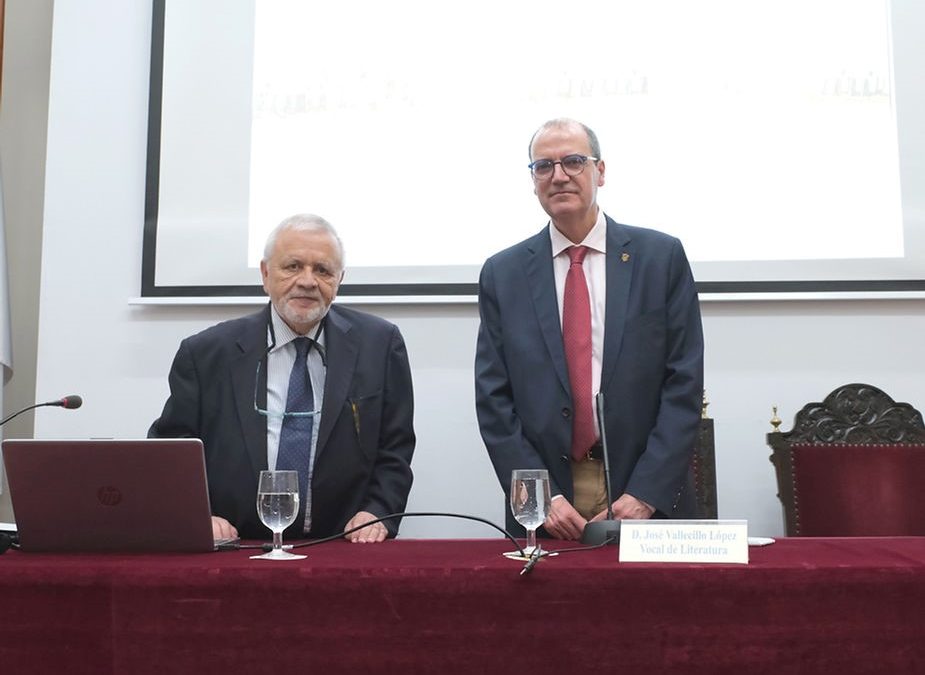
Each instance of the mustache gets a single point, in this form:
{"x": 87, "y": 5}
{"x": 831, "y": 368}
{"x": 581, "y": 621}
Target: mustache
{"x": 304, "y": 294}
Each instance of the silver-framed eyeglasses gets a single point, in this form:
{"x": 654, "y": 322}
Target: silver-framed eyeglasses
{"x": 313, "y": 344}
{"x": 572, "y": 165}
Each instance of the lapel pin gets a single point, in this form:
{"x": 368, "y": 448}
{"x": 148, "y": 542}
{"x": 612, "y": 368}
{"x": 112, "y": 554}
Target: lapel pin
{"x": 625, "y": 257}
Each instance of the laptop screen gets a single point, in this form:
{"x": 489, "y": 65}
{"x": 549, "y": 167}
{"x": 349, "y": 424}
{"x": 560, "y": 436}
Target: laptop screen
{"x": 109, "y": 495}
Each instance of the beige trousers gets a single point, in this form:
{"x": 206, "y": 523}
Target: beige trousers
{"x": 590, "y": 493}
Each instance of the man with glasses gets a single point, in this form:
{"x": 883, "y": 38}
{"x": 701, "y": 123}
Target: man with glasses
{"x": 589, "y": 305}
{"x": 303, "y": 385}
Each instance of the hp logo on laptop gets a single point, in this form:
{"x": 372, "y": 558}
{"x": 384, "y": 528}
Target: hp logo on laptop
{"x": 109, "y": 495}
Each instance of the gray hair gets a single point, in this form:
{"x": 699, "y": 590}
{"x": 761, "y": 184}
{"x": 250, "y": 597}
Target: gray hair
{"x": 562, "y": 123}
{"x": 304, "y": 222}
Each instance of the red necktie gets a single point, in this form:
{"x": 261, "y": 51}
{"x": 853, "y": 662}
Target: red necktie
{"x": 576, "y": 336}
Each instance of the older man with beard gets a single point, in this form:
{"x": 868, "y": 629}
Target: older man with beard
{"x": 303, "y": 385}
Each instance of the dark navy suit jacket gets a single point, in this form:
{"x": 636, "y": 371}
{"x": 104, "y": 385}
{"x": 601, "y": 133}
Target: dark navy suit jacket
{"x": 652, "y": 371}
{"x": 365, "y": 438}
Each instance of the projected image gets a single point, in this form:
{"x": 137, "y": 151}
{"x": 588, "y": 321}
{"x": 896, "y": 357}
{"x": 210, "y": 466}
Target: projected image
{"x": 764, "y": 135}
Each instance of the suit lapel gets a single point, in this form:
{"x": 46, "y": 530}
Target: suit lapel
{"x": 341, "y": 351}
{"x": 252, "y": 344}
{"x": 542, "y": 283}
{"x": 619, "y": 265}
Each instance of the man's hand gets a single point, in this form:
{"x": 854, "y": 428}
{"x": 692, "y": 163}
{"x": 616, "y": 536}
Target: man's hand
{"x": 222, "y": 529}
{"x": 563, "y": 521}
{"x": 368, "y": 535}
{"x": 628, "y": 507}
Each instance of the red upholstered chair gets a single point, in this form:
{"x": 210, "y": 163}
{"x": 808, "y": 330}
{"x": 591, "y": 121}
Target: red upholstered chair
{"x": 872, "y": 489}
{"x": 853, "y": 465}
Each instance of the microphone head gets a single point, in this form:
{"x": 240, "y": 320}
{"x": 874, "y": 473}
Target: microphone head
{"x": 71, "y": 402}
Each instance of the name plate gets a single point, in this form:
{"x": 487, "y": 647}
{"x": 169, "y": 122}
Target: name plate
{"x": 687, "y": 541}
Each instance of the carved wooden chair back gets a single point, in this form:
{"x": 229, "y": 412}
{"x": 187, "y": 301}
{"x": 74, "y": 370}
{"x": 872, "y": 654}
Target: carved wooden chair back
{"x": 853, "y": 465}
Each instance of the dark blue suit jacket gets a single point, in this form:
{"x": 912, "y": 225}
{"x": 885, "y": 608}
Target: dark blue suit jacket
{"x": 652, "y": 371}
{"x": 363, "y": 458}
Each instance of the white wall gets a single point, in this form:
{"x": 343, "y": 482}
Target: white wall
{"x": 23, "y": 124}
{"x": 94, "y": 342}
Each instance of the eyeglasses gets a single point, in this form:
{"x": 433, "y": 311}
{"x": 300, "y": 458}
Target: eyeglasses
{"x": 287, "y": 413}
{"x": 572, "y": 165}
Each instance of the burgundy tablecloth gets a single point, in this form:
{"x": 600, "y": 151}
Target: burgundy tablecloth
{"x": 800, "y": 606}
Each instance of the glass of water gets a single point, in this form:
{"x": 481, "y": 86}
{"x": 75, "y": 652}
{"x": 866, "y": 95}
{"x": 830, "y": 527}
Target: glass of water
{"x": 530, "y": 501}
{"x": 277, "y": 506}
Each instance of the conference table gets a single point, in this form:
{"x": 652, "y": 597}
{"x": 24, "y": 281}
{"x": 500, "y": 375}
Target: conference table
{"x": 801, "y": 605}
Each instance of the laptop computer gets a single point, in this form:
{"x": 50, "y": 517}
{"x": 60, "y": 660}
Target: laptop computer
{"x": 109, "y": 495}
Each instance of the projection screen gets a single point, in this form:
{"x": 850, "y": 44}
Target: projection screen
{"x": 783, "y": 142}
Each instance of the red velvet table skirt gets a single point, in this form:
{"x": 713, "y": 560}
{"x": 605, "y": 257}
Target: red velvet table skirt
{"x": 800, "y": 606}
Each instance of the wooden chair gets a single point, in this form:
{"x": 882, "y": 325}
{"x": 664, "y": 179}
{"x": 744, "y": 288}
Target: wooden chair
{"x": 853, "y": 465}
{"x": 703, "y": 469}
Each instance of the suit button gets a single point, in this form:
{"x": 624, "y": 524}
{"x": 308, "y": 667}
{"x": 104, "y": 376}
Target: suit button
{"x": 566, "y": 413}
{"x": 563, "y": 458}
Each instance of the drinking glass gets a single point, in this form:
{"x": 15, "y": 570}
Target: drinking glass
{"x": 277, "y": 506}
{"x": 530, "y": 501}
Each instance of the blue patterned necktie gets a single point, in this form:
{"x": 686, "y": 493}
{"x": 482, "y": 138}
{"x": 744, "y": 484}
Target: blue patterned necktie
{"x": 295, "y": 438}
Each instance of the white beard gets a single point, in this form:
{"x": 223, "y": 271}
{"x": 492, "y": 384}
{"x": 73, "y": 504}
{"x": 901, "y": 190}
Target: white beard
{"x": 303, "y": 321}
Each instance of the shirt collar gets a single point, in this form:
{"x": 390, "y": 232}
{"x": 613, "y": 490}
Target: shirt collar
{"x": 285, "y": 335}
{"x": 596, "y": 239}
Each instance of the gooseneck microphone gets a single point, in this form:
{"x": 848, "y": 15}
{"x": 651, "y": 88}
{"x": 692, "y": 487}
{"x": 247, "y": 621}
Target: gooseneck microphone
{"x": 607, "y": 530}
{"x": 69, "y": 402}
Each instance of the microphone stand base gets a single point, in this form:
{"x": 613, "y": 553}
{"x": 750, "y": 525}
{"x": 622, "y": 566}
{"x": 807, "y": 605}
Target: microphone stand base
{"x": 7, "y": 540}
{"x": 598, "y": 532}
